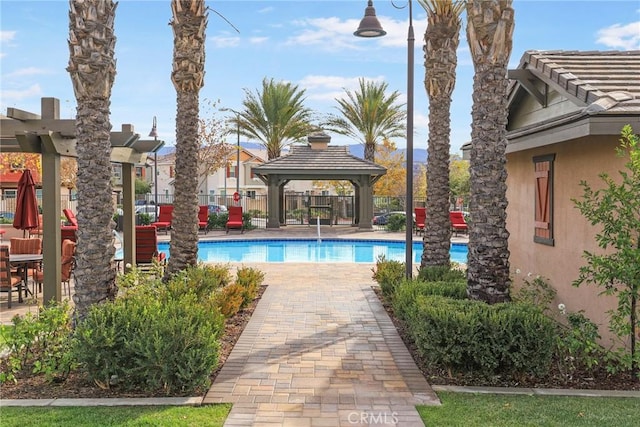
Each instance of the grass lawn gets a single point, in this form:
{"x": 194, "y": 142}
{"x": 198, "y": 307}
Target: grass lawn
{"x": 466, "y": 409}
{"x": 157, "y": 416}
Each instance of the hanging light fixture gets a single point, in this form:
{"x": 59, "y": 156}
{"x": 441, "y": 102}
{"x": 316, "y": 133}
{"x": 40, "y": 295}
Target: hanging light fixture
{"x": 369, "y": 25}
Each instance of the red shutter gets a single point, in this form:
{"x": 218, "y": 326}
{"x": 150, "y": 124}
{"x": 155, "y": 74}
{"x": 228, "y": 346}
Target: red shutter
{"x": 543, "y": 200}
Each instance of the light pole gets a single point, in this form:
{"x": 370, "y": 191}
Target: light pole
{"x": 237, "y": 146}
{"x": 370, "y": 27}
{"x": 154, "y": 134}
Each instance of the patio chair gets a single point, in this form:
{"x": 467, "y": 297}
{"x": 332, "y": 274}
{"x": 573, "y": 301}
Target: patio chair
{"x": 147, "y": 247}
{"x": 203, "y": 219}
{"x": 164, "y": 218}
{"x": 420, "y": 218}
{"x": 235, "y": 219}
{"x": 22, "y": 245}
{"x": 37, "y": 232}
{"x": 457, "y": 222}
{"x": 71, "y": 218}
{"x": 8, "y": 281}
{"x": 67, "y": 261}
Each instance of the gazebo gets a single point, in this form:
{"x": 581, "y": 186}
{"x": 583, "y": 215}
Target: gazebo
{"x": 52, "y": 137}
{"x": 318, "y": 161}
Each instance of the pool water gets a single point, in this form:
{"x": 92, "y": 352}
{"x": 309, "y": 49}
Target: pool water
{"x": 326, "y": 251}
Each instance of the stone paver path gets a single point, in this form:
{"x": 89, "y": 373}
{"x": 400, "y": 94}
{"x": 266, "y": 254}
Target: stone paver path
{"x": 320, "y": 350}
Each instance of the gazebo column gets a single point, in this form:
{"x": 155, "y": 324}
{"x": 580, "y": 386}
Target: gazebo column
{"x": 273, "y": 202}
{"x": 365, "y": 202}
{"x": 51, "y": 208}
{"x": 128, "y": 210}
{"x": 281, "y": 207}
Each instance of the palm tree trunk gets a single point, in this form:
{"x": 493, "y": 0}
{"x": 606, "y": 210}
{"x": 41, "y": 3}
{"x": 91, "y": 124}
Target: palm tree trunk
{"x": 189, "y": 25}
{"x": 92, "y": 70}
{"x": 490, "y": 32}
{"x": 441, "y": 41}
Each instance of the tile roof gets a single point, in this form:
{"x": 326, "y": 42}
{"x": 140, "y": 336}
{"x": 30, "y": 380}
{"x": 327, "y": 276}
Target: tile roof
{"x": 302, "y": 159}
{"x": 603, "y": 81}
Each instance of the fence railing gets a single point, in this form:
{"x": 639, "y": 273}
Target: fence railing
{"x": 299, "y": 208}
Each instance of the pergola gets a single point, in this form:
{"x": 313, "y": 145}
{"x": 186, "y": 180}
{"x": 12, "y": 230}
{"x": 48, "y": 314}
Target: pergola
{"x": 52, "y": 137}
{"x": 318, "y": 161}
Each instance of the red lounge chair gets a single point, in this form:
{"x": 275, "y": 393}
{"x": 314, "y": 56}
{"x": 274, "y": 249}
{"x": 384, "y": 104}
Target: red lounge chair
{"x": 71, "y": 218}
{"x": 457, "y": 222}
{"x": 203, "y": 219}
{"x": 421, "y": 217}
{"x": 164, "y": 218}
{"x": 147, "y": 246}
{"x": 235, "y": 219}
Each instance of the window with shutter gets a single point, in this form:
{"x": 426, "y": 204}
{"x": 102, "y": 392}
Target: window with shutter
{"x": 543, "y": 220}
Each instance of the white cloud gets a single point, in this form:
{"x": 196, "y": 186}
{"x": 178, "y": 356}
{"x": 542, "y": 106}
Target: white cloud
{"x": 225, "y": 41}
{"x": 619, "y": 36}
{"x": 24, "y": 72}
{"x": 267, "y": 9}
{"x": 328, "y": 33}
{"x": 258, "y": 40}
{"x": 9, "y": 96}
{"x": 7, "y": 36}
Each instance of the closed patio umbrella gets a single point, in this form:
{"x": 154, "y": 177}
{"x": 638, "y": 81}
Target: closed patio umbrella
{"x": 26, "y": 215}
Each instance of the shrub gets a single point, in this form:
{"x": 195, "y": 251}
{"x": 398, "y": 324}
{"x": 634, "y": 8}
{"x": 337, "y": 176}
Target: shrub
{"x": 396, "y": 222}
{"x": 471, "y": 336}
{"x": 407, "y": 292}
{"x": 229, "y": 299}
{"x": 577, "y": 346}
{"x": 40, "y": 343}
{"x": 151, "y": 339}
{"x": 388, "y": 274}
{"x": 250, "y": 279}
{"x": 441, "y": 273}
{"x": 204, "y": 280}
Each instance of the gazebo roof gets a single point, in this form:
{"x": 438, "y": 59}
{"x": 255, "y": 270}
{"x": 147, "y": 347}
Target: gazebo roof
{"x": 312, "y": 163}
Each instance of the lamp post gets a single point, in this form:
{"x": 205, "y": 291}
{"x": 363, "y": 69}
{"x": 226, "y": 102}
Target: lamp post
{"x": 370, "y": 27}
{"x": 237, "y": 146}
{"x": 154, "y": 134}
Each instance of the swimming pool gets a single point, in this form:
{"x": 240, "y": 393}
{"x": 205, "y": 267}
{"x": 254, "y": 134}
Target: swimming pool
{"x": 309, "y": 250}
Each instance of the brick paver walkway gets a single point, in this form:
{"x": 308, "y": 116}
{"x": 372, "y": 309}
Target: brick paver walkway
{"x": 320, "y": 351}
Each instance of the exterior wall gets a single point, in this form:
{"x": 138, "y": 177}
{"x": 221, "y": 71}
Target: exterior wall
{"x": 528, "y": 111}
{"x": 575, "y": 161}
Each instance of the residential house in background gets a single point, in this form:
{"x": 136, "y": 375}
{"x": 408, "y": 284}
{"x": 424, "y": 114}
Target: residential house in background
{"x": 566, "y": 112}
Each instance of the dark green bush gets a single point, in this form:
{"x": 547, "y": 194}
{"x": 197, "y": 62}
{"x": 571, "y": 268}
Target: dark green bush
{"x": 470, "y": 336}
{"x": 406, "y": 293}
{"x": 151, "y": 339}
{"x": 218, "y": 220}
{"x": 441, "y": 274}
{"x": 388, "y": 274}
{"x": 396, "y": 222}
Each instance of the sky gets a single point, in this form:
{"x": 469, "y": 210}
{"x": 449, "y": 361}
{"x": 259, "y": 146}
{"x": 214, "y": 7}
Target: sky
{"x": 308, "y": 43}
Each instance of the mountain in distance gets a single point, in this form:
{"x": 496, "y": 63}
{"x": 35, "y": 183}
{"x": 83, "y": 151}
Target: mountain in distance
{"x": 419, "y": 154}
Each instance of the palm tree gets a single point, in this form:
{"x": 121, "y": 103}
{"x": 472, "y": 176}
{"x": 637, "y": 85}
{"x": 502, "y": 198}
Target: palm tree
{"x": 276, "y": 116}
{"x": 189, "y": 24}
{"x": 441, "y": 41}
{"x": 369, "y": 116}
{"x": 490, "y": 35}
{"x": 92, "y": 68}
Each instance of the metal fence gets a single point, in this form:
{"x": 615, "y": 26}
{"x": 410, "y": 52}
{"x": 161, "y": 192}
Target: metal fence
{"x": 299, "y": 208}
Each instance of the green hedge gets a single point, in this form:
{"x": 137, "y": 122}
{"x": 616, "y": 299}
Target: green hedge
{"x": 153, "y": 338}
{"x": 407, "y": 292}
{"x": 470, "y": 336}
